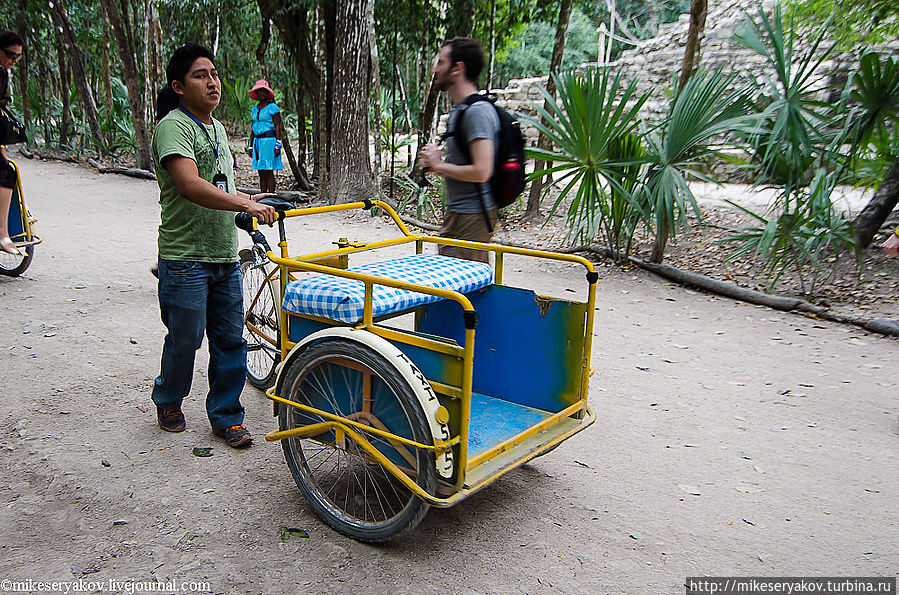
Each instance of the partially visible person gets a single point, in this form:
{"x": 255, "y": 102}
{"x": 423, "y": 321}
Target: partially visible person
{"x": 265, "y": 135}
{"x": 199, "y": 278}
{"x": 11, "y": 48}
{"x": 470, "y": 211}
{"x": 891, "y": 245}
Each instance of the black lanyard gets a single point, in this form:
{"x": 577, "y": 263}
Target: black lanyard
{"x": 215, "y": 146}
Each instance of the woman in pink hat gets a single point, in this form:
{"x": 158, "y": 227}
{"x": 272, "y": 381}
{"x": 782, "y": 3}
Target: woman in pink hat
{"x": 265, "y": 135}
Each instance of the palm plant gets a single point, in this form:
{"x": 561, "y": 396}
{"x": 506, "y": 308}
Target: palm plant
{"x": 795, "y": 240}
{"x": 236, "y": 100}
{"x": 593, "y": 113}
{"x": 621, "y": 217}
{"x": 704, "y": 109}
{"x": 791, "y": 129}
{"x": 417, "y": 196}
{"x": 794, "y": 146}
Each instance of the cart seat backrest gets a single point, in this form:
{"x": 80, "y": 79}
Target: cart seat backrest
{"x": 342, "y": 300}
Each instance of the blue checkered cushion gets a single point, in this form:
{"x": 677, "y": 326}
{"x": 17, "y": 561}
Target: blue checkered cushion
{"x": 340, "y": 299}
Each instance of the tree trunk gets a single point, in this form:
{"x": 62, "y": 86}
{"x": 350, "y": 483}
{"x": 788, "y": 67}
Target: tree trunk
{"x": 375, "y": 57}
{"x": 107, "y": 77}
{"x": 132, "y": 76}
{"x": 301, "y": 181}
{"x": 425, "y": 123}
{"x": 492, "y": 45}
{"x": 66, "y": 35}
{"x": 264, "y": 38}
{"x": 324, "y": 179}
{"x": 532, "y": 211}
{"x": 875, "y": 213}
{"x": 292, "y": 22}
{"x": 22, "y": 75}
{"x": 64, "y": 96}
{"x": 349, "y": 161}
{"x": 155, "y": 72}
{"x": 691, "y": 50}
{"x": 661, "y": 242}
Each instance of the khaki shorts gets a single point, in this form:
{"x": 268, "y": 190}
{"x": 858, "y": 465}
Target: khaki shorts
{"x": 467, "y": 226}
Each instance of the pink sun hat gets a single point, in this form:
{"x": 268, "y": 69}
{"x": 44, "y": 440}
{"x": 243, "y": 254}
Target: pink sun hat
{"x": 261, "y": 84}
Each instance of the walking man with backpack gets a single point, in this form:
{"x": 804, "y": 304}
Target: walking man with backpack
{"x": 468, "y": 164}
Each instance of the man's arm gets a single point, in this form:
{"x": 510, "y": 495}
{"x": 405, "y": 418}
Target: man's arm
{"x": 479, "y": 170}
{"x": 197, "y": 190}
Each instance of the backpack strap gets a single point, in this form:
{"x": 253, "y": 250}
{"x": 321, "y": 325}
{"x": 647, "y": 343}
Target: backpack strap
{"x": 463, "y": 146}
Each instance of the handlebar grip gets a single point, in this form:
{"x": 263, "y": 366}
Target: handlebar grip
{"x": 244, "y": 221}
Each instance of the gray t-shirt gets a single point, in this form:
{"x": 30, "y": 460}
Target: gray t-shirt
{"x": 480, "y": 121}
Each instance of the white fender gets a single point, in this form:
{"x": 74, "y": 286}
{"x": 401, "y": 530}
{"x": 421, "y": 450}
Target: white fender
{"x": 401, "y": 362}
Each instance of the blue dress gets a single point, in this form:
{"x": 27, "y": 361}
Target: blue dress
{"x": 264, "y": 138}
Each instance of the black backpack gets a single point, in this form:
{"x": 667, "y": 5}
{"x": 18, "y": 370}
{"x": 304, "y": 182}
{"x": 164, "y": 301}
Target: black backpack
{"x": 508, "y": 179}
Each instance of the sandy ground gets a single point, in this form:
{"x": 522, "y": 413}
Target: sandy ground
{"x": 731, "y": 440}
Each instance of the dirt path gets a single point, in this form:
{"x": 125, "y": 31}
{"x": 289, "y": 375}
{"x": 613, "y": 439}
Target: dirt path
{"x": 731, "y": 440}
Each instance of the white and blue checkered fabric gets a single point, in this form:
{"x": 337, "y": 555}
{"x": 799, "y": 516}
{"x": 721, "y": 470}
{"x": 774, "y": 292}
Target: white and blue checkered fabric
{"x": 340, "y": 299}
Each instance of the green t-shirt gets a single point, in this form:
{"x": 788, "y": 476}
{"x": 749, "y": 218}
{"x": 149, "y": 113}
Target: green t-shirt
{"x": 188, "y": 231}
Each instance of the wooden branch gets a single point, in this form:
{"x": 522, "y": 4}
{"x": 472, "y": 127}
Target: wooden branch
{"x": 289, "y": 195}
{"x": 125, "y": 171}
{"x": 785, "y": 304}
{"x": 52, "y": 156}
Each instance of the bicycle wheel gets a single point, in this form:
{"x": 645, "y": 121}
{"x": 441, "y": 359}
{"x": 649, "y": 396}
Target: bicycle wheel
{"x": 261, "y": 323}
{"x": 13, "y": 265}
{"x": 345, "y": 486}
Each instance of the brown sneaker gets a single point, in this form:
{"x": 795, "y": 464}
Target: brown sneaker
{"x": 170, "y": 420}
{"x": 235, "y": 436}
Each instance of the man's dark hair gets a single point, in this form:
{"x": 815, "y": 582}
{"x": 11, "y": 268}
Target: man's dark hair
{"x": 183, "y": 58}
{"x": 178, "y": 67}
{"x": 8, "y": 38}
{"x": 469, "y": 52}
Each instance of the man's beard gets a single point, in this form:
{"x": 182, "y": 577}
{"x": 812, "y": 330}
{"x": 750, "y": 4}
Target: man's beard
{"x": 441, "y": 83}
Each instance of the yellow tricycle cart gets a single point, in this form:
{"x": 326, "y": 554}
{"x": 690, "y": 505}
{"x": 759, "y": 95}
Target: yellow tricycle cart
{"x": 409, "y": 382}
{"x": 20, "y": 223}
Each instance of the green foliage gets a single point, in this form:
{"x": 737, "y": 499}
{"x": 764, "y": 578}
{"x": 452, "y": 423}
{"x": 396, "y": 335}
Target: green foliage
{"x": 792, "y": 123}
{"x": 391, "y": 140}
{"x": 586, "y": 125}
{"x": 236, "y": 104}
{"x": 530, "y": 53}
{"x": 418, "y": 197}
{"x": 623, "y": 214}
{"x": 850, "y": 22}
{"x": 798, "y": 143}
{"x": 874, "y": 95}
{"x": 616, "y": 182}
{"x": 703, "y": 109}
{"x": 802, "y": 240}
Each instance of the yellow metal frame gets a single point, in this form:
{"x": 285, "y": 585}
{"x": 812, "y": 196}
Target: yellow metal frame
{"x": 354, "y": 430}
{"x": 27, "y": 237}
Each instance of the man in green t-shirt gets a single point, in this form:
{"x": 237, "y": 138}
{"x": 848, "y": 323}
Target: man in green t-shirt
{"x": 199, "y": 279}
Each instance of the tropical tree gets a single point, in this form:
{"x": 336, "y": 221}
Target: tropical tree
{"x": 795, "y": 148}
{"x": 125, "y": 44}
{"x": 349, "y": 163}
{"x": 533, "y": 205}
{"x": 875, "y": 94}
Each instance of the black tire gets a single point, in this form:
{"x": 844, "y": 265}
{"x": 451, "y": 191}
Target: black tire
{"x": 349, "y": 490}
{"x": 12, "y": 265}
{"x": 262, "y": 355}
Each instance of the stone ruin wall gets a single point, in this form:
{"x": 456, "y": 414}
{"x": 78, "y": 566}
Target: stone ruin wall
{"x": 653, "y": 62}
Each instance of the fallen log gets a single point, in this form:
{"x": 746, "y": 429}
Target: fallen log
{"x": 785, "y": 304}
{"x": 293, "y": 196}
{"x": 124, "y": 171}
{"x": 51, "y": 156}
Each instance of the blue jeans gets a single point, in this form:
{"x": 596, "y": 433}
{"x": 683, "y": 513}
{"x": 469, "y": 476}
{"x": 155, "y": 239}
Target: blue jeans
{"x": 195, "y": 297}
